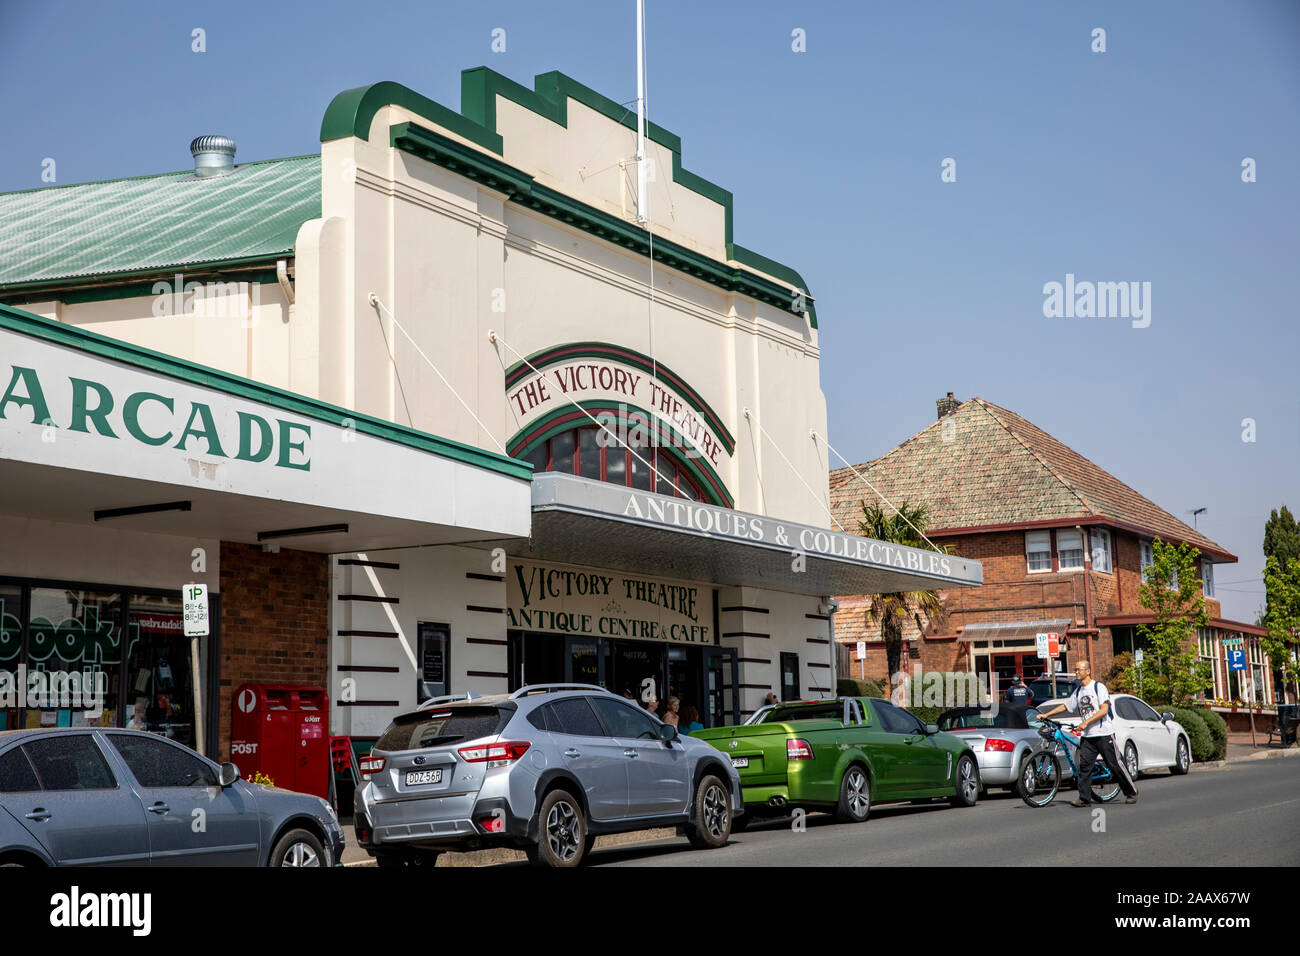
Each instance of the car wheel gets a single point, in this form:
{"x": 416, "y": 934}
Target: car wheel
{"x": 967, "y": 783}
{"x": 1131, "y": 760}
{"x": 298, "y": 848}
{"x": 855, "y": 795}
{"x": 711, "y": 822}
{"x": 1183, "y": 761}
{"x": 561, "y": 831}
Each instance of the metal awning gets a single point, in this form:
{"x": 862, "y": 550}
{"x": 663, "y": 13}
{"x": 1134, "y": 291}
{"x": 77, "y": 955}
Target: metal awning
{"x": 594, "y": 523}
{"x": 1010, "y": 630}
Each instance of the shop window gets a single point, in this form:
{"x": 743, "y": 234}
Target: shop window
{"x": 74, "y": 644}
{"x": 1069, "y": 550}
{"x": 1100, "y": 550}
{"x": 589, "y": 454}
{"x": 1038, "y": 550}
{"x": 160, "y": 672}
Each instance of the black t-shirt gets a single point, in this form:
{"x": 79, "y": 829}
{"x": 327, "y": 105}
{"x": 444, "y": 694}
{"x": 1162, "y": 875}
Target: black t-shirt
{"x": 1017, "y": 694}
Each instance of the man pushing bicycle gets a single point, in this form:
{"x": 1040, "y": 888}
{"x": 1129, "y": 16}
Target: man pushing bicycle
{"x": 1092, "y": 702}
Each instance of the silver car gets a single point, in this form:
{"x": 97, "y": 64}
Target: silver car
{"x": 104, "y": 797}
{"x": 1001, "y": 742}
{"x": 546, "y": 769}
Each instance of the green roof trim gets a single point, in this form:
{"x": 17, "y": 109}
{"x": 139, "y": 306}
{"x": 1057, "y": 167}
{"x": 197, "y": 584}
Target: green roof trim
{"x": 352, "y": 112}
{"x": 523, "y": 189}
{"x": 57, "y": 333}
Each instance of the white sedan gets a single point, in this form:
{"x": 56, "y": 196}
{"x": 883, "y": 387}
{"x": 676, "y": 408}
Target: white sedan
{"x": 1145, "y": 739}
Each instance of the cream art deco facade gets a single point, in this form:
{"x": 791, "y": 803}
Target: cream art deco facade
{"x": 614, "y": 473}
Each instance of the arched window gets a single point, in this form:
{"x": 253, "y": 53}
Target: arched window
{"x": 579, "y": 452}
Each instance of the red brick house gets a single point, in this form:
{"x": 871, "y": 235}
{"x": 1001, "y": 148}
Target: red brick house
{"x": 1062, "y": 543}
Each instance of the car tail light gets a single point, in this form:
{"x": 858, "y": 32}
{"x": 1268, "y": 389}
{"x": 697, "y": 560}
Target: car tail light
{"x": 371, "y": 765}
{"x": 996, "y": 743}
{"x": 494, "y": 755}
{"x": 797, "y": 749}
{"x": 493, "y": 824}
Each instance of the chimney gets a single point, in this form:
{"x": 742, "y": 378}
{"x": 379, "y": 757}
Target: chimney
{"x": 947, "y": 405}
{"x": 213, "y": 156}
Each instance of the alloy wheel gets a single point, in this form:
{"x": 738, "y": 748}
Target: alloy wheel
{"x": 859, "y": 796}
{"x": 969, "y": 785}
{"x": 562, "y": 832}
{"x": 1182, "y": 756}
{"x": 301, "y": 854}
{"x": 1131, "y": 761}
{"x": 715, "y": 812}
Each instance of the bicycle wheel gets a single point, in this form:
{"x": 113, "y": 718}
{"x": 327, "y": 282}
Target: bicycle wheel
{"x": 1104, "y": 784}
{"x": 1040, "y": 778}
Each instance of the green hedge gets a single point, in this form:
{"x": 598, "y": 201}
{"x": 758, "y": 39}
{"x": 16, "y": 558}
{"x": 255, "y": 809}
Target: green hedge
{"x": 1198, "y": 733}
{"x": 856, "y": 687}
{"x": 1218, "y": 730}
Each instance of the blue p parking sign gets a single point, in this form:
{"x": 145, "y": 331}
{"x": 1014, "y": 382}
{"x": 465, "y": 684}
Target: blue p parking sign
{"x": 1236, "y": 659}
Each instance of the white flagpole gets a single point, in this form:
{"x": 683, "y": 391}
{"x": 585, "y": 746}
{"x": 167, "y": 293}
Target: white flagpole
{"x": 640, "y": 112}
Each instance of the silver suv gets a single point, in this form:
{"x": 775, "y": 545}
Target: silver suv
{"x": 546, "y": 769}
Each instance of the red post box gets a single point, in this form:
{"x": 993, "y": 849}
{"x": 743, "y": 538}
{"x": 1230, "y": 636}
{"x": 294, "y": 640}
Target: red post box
{"x": 282, "y": 730}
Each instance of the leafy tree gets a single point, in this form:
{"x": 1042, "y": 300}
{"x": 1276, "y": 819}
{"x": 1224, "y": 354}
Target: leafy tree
{"x": 1171, "y": 592}
{"x": 1281, "y": 541}
{"x": 892, "y": 612}
{"x": 1282, "y": 585}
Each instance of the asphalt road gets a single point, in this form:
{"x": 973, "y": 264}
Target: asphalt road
{"x": 1246, "y": 813}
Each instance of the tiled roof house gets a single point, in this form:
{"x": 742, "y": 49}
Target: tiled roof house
{"x": 1063, "y": 543}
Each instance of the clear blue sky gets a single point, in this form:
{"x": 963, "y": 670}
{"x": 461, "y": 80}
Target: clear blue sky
{"x": 1123, "y": 165}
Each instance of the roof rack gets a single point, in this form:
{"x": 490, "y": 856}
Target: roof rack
{"x": 549, "y": 688}
{"x": 439, "y": 701}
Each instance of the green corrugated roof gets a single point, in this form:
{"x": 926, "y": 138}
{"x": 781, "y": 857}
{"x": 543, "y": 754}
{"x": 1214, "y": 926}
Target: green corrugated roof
{"x": 156, "y": 222}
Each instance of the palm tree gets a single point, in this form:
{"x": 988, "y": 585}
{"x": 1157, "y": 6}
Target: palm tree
{"x": 892, "y": 612}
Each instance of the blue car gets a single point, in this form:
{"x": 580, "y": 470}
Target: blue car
{"x": 107, "y": 797}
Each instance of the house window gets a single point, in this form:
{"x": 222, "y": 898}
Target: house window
{"x": 1069, "y": 550}
{"x": 1208, "y": 651}
{"x": 1207, "y": 578}
{"x": 1148, "y": 557}
{"x": 1101, "y": 550}
{"x": 1038, "y": 550}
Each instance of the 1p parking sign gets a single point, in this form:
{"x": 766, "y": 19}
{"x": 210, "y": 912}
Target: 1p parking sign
{"x": 194, "y": 601}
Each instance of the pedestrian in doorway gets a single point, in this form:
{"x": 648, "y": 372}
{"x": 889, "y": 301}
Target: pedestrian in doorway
{"x": 1018, "y": 693}
{"x": 1091, "y": 701}
{"x": 690, "y": 720}
{"x": 651, "y": 703}
{"x": 671, "y": 711}
{"x": 770, "y": 699}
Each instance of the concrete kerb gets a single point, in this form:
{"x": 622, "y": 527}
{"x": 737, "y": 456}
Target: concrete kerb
{"x": 1260, "y": 754}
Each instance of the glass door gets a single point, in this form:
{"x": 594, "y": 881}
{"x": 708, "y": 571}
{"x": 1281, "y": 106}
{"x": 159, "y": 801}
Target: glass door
{"x": 722, "y": 687}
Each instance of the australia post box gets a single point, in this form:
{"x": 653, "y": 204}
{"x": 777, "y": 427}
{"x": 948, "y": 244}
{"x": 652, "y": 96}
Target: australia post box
{"x": 281, "y": 730}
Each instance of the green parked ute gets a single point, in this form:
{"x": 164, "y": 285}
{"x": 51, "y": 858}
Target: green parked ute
{"x": 842, "y": 755}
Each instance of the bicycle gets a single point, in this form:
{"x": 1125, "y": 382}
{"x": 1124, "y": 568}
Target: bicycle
{"x": 1040, "y": 777}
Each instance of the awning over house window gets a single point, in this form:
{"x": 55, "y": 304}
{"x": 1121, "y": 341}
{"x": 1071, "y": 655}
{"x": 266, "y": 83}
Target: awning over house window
{"x": 1011, "y": 630}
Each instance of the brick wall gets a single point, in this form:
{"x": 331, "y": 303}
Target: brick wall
{"x": 274, "y": 622}
{"x": 1011, "y": 593}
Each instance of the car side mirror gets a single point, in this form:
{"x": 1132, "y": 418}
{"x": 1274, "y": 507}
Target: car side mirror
{"x": 229, "y": 774}
{"x": 931, "y": 729}
{"x": 1166, "y": 717}
{"x": 667, "y": 733}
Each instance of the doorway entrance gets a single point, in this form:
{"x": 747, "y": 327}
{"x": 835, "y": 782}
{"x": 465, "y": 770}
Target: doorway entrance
{"x": 701, "y": 677}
